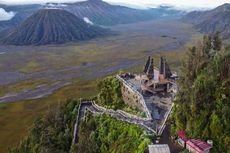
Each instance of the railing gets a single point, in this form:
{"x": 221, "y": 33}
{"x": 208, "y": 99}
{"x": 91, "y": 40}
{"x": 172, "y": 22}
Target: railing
{"x": 131, "y": 118}
{"x": 142, "y": 100}
{"x": 163, "y": 125}
{"x": 119, "y": 114}
{"x": 76, "y": 125}
{"x": 124, "y": 116}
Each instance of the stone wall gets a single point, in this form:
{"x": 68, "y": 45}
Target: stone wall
{"x": 131, "y": 98}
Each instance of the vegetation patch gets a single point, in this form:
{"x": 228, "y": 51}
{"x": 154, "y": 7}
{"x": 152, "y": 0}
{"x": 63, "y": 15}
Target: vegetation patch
{"x": 31, "y": 66}
{"x": 110, "y": 96}
{"x": 105, "y": 134}
{"x": 52, "y": 133}
{"x": 23, "y": 85}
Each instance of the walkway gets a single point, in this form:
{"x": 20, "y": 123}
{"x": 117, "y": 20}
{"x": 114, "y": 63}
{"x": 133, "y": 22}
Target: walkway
{"x": 91, "y": 106}
{"x": 151, "y": 107}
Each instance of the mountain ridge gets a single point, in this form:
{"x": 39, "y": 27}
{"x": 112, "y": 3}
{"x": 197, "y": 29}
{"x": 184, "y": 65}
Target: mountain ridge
{"x": 211, "y": 21}
{"x": 99, "y": 12}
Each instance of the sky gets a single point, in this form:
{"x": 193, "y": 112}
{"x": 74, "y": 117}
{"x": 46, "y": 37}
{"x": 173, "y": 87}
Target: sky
{"x": 186, "y": 5}
{"x": 180, "y": 4}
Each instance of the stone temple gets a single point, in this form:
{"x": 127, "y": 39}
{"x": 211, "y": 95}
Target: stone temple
{"x": 152, "y": 91}
{"x": 153, "y": 80}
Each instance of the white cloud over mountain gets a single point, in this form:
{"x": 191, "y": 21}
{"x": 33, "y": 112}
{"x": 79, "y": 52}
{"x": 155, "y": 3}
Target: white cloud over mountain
{"x": 4, "y": 16}
{"x": 180, "y": 4}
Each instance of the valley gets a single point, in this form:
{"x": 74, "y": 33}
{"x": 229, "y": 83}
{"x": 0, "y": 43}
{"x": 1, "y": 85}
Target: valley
{"x": 24, "y": 69}
{"x": 74, "y": 76}
{"x": 95, "y": 58}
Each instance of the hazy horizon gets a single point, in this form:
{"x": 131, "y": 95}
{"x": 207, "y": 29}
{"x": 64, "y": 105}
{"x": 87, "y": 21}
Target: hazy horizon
{"x": 178, "y": 4}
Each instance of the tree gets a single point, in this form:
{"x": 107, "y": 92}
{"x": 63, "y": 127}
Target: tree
{"x": 202, "y": 107}
{"x": 217, "y": 42}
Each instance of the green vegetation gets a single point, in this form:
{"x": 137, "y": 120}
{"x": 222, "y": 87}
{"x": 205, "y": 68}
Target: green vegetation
{"x": 184, "y": 151}
{"x": 203, "y": 102}
{"x": 108, "y": 135}
{"x": 110, "y": 93}
{"x": 31, "y": 66}
{"x": 110, "y": 96}
{"x": 52, "y": 133}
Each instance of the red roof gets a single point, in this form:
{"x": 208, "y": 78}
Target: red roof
{"x": 198, "y": 145}
{"x": 182, "y": 135}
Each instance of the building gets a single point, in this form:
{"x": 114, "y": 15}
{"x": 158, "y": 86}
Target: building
{"x": 159, "y": 148}
{"x": 153, "y": 81}
{"x": 193, "y": 145}
{"x": 198, "y": 146}
{"x": 182, "y": 139}
{"x": 151, "y": 91}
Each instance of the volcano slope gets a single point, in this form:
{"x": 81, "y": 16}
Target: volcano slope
{"x": 51, "y": 26}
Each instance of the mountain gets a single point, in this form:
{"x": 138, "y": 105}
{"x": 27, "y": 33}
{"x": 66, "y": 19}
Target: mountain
{"x": 211, "y": 21}
{"x": 22, "y": 13}
{"x": 102, "y": 13}
{"x": 51, "y": 26}
{"x": 97, "y": 11}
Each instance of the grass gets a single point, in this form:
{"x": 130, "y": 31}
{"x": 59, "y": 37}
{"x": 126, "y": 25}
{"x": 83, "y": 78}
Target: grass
{"x": 31, "y": 66}
{"x": 16, "y": 118}
{"x": 23, "y": 85}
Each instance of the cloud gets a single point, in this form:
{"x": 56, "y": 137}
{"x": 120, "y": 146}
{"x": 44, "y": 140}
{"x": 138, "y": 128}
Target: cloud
{"x": 10, "y": 2}
{"x": 87, "y": 20}
{"x": 4, "y": 16}
{"x": 179, "y": 4}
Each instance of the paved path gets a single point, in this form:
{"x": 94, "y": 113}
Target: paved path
{"x": 91, "y": 106}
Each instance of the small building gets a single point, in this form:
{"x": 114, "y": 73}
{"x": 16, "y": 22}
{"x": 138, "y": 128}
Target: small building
{"x": 182, "y": 139}
{"x": 198, "y": 146}
{"x": 159, "y": 148}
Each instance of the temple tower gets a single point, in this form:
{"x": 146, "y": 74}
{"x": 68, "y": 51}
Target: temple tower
{"x": 146, "y": 65}
{"x": 150, "y": 70}
{"x": 164, "y": 68}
